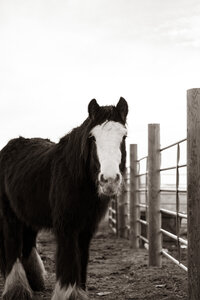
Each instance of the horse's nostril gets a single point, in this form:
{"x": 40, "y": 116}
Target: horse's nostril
{"x": 117, "y": 178}
{"x": 113, "y": 179}
{"x": 102, "y": 179}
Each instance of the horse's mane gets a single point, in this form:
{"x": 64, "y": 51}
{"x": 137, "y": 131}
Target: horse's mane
{"x": 75, "y": 145}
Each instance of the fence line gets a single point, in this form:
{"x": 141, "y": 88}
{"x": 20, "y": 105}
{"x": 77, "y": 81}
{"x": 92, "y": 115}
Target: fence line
{"x": 154, "y": 233}
{"x": 136, "y": 222}
{"x": 152, "y": 191}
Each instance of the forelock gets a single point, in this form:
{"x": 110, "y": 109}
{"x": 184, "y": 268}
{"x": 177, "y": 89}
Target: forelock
{"x": 107, "y": 113}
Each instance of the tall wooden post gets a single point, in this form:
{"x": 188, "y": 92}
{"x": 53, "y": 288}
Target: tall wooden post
{"x": 193, "y": 192}
{"x": 154, "y": 215}
{"x": 134, "y": 199}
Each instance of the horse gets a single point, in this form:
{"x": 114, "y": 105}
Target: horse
{"x": 64, "y": 187}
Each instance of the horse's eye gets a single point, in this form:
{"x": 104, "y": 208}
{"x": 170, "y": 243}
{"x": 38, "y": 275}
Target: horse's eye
{"x": 92, "y": 138}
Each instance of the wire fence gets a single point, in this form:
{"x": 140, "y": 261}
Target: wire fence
{"x": 177, "y": 214}
{"x": 119, "y": 210}
{"x": 140, "y": 209}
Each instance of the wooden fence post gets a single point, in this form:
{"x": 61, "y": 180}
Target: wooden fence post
{"x": 122, "y": 214}
{"x": 193, "y": 192}
{"x": 134, "y": 199}
{"x": 126, "y": 203}
{"x": 154, "y": 215}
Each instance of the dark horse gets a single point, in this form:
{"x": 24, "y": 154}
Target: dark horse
{"x": 66, "y": 187}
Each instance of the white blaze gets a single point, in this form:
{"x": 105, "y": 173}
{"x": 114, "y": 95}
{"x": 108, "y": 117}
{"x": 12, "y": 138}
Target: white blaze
{"x": 108, "y": 137}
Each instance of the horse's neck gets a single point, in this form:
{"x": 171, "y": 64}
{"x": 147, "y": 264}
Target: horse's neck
{"x": 69, "y": 150}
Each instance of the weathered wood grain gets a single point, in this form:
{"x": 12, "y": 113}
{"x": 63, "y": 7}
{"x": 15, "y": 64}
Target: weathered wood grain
{"x": 154, "y": 215}
{"x": 193, "y": 195}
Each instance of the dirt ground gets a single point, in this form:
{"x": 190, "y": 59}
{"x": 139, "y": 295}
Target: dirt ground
{"x": 117, "y": 272}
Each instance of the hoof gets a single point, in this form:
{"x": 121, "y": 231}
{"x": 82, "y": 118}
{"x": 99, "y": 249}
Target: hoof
{"x": 16, "y": 284}
{"x": 71, "y": 293}
{"x": 78, "y": 294}
{"x": 17, "y": 293}
{"x": 82, "y": 295}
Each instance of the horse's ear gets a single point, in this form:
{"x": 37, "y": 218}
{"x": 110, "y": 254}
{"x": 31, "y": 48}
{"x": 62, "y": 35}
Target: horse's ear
{"x": 122, "y": 107}
{"x": 93, "y": 108}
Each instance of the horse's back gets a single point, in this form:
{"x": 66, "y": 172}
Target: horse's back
{"x": 18, "y": 147}
{"x": 25, "y": 172}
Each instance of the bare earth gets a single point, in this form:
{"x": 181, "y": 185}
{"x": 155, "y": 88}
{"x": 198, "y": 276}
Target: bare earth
{"x": 117, "y": 272}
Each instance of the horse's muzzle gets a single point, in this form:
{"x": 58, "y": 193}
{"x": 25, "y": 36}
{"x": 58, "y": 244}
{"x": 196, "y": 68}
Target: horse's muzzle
{"x": 110, "y": 186}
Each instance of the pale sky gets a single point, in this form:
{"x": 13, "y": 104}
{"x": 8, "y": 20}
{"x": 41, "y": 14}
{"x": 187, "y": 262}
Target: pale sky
{"x": 55, "y": 56}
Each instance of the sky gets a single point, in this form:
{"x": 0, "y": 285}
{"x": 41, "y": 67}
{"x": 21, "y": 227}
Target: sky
{"x": 55, "y": 56}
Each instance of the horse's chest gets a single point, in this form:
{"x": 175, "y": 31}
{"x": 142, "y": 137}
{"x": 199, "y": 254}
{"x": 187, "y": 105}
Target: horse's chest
{"x": 96, "y": 210}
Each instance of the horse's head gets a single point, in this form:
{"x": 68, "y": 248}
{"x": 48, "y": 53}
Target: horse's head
{"x": 107, "y": 145}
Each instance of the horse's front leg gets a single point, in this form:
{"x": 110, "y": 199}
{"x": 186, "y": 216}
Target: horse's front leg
{"x": 84, "y": 244}
{"x": 68, "y": 269}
